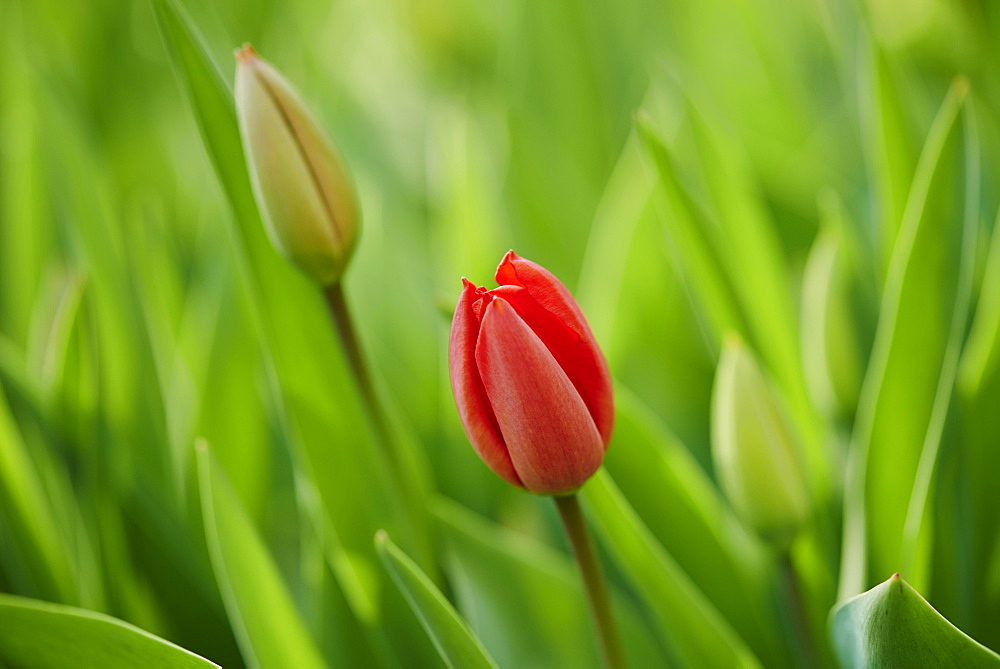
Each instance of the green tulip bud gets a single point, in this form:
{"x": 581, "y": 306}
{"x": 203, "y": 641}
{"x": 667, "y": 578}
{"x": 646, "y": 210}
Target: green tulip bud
{"x": 301, "y": 187}
{"x": 755, "y": 449}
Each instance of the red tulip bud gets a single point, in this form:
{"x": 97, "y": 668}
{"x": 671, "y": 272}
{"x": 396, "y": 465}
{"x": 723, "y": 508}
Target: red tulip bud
{"x": 531, "y": 385}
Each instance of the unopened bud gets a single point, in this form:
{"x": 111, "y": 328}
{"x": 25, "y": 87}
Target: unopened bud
{"x": 304, "y": 192}
{"x": 755, "y": 449}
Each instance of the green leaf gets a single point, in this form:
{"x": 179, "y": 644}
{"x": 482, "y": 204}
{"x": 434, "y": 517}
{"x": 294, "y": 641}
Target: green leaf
{"x": 696, "y": 631}
{"x": 457, "y": 645}
{"x": 684, "y": 511}
{"x": 696, "y": 239}
{"x": 888, "y": 147}
{"x": 891, "y": 625}
{"x": 757, "y": 269}
{"x": 982, "y": 351}
{"x": 525, "y": 600}
{"x": 212, "y": 103}
{"x": 26, "y": 508}
{"x": 911, "y": 369}
{"x": 49, "y": 636}
{"x": 261, "y": 611}
{"x": 735, "y": 267}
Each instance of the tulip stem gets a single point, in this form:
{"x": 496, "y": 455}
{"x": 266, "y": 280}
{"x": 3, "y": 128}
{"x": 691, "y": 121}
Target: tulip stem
{"x": 799, "y": 613}
{"x": 359, "y": 369}
{"x": 593, "y": 580}
{"x": 412, "y": 496}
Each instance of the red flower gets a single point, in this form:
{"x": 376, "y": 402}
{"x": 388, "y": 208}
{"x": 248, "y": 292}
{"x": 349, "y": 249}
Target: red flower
{"x": 531, "y": 385}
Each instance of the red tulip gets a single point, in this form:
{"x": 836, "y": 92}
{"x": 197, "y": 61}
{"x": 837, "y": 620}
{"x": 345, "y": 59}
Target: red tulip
{"x": 531, "y": 385}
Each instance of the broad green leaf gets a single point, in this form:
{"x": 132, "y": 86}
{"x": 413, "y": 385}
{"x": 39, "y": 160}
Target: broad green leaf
{"x": 457, "y": 645}
{"x": 41, "y": 635}
{"x": 909, "y": 366}
{"x": 891, "y": 625}
{"x": 261, "y": 610}
{"x": 695, "y": 630}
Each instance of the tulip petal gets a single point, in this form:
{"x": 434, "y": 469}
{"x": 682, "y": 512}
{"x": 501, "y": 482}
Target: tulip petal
{"x": 549, "y": 309}
{"x": 550, "y": 435}
{"x": 473, "y": 405}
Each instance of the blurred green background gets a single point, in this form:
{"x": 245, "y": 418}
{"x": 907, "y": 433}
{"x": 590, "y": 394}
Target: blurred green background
{"x": 141, "y": 308}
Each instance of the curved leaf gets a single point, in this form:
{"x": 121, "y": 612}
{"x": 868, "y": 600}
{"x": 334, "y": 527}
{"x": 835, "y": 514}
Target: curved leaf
{"x": 696, "y": 631}
{"x": 267, "y": 624}
{"x": 911, "y": 369}
{"x": 457, "y": 645}
{"x": 891, "y": 625}
{"x": 50, "y": 636}
{"x": 525, "y": 600}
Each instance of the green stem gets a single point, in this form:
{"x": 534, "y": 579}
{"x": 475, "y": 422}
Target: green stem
{"x": 352, "y": 349}
{"x": 593, "y": 579}
{"x": 799, "y": 613}
{"x": 412, "y": 497}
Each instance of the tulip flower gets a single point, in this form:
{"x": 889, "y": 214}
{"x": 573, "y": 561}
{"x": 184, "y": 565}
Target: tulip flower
{"x": 301, "y": 187}
{"x": 532, "y": 387}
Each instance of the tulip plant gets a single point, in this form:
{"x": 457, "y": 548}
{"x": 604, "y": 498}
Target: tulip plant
{"x": 236, "y": 429}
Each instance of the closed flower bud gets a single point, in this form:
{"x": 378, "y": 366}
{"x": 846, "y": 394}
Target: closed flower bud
{"x": 755, "y": 449}
{"x": 303, "y": 191}
{"x": 532, "y": 387}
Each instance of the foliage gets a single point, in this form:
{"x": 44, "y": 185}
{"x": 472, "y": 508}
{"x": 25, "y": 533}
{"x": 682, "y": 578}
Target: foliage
{"x": 181, "y": 444}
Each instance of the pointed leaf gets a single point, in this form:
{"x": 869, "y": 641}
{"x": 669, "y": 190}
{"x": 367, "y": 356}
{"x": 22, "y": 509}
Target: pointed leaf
{"x": 909, "y": 363}
{"x": 696, "y": 631}
{"x": 457, "y": 645}
{"x": 891, "y": 625}
{"x": 261, "y": 610}
{"x": 50, "y": 636}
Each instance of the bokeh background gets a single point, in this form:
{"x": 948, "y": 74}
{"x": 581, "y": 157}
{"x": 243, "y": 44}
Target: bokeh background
{"x": 130, "y": 324}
